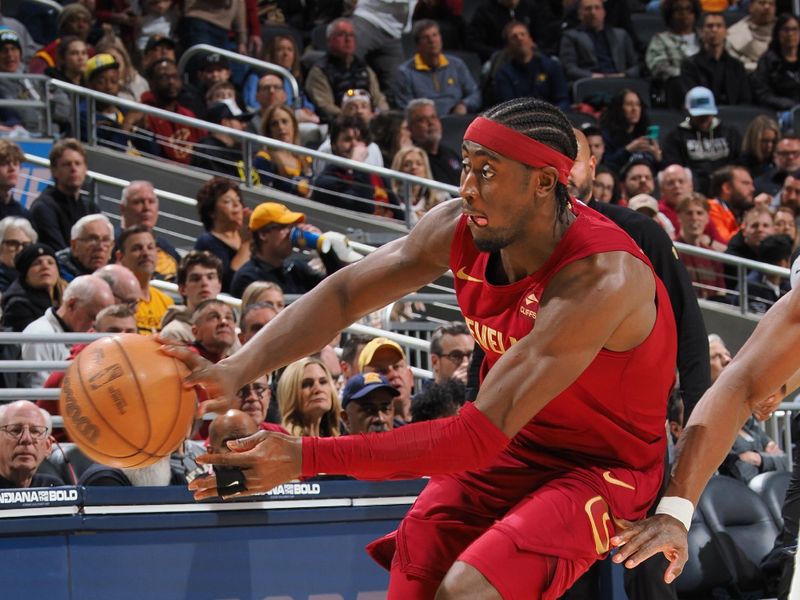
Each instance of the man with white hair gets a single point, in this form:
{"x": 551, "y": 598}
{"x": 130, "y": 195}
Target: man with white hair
{"x": 675, "y": 182}
{"x": 139, "y": 206}
{"x": 90, "y": 243}
{"x": 24, "y": 443}
{"x": 84, "y": 297}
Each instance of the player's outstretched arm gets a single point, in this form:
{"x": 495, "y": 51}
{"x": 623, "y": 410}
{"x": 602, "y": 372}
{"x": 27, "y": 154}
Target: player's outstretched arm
{"x": 762, "y": 368}
{"x": 396, "y": 269}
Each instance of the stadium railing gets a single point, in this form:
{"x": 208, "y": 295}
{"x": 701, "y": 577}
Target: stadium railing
{"x": 249, "y": 142}
{"x": 245, "y": 60}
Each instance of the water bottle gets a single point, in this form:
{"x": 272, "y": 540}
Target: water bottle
{"x": 309, "y": 240}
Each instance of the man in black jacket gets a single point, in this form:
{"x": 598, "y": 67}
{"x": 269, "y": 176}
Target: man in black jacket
{"x": 24, "y": 444}
{"x": 713, "y": 67}
{"x": 60, "y": 205}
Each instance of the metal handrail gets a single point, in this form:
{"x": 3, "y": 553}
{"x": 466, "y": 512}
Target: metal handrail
{"x": 250, "y": 139}
{"x": 246, "y": 60}
{"x": 730, "y": 259}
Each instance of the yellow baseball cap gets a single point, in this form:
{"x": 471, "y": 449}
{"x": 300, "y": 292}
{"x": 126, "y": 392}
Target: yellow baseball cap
{"x": 368, "y": 353}
{"x": 99, "y": 63}
{"x": 267, "y": 213}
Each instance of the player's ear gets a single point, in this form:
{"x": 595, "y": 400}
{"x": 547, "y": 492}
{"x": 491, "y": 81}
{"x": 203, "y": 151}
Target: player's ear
{"x": 548, "y": 178}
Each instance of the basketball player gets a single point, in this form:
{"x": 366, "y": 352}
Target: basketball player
{"x": 567, "y": 432}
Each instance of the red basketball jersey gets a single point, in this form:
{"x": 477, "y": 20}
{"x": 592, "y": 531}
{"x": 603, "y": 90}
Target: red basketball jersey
{"x": 614, "y": 413}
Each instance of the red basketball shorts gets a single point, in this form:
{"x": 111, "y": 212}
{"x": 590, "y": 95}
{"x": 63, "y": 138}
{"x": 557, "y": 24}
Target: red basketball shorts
{"x": 513, "y": 523}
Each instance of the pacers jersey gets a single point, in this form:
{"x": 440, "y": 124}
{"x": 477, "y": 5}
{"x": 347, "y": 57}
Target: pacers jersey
{"x": 614, "y": 413}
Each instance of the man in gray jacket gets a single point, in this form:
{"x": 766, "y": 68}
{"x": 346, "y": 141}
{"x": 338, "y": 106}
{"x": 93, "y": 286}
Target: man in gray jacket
{"x": 594, "y": 50}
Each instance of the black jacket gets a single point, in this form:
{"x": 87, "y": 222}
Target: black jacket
{"x": 53, "y": 214}
{"x": 214, "y": 155}
{"x": 699, "y": 70}
{"x": 294, "y": 276}
{"x": 22, "y": 305}
{"x": 702, "y": 151}
{"x": 775, "y": 85}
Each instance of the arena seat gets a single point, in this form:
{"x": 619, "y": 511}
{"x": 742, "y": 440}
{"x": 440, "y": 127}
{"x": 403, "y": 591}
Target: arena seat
{"x": 667, "y": 119}
{"x": 472, "y": 60}
{"x": 743, "y": 527}
{"x": 586, "y": 87}
{"x": 772, "y": 489}
{"x": 453, "y": 128}
{"x": 646, "y": 25}
{"x": 706, "y": 569}
{"x": 58, "y": 462}
{"x": 741, "y": 115}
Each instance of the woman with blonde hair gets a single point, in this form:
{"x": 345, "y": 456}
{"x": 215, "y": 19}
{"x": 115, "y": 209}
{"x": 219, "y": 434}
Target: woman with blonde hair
{"x": 414, "y": 161}
{"x": 263, "y": 291}
{"x": 308, "y": 400}
{"x": 759, "y": 143}
{"x": 283, "y": 170}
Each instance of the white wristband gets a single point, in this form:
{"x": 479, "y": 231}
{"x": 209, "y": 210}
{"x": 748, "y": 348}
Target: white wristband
{"x": 678, "y": 508}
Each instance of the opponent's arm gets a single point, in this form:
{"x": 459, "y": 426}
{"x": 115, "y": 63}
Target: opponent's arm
{"x": 762, "y": 367}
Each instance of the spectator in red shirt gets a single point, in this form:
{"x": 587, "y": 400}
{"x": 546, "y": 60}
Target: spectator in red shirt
{"x": 174, "y": 141}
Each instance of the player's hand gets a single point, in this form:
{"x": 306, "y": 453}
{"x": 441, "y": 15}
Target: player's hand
{"x": 639, "y": 541}
{"x": 217, "y": 380}
{"x": 764, "y": 408}
{"x": 266, "y": 458}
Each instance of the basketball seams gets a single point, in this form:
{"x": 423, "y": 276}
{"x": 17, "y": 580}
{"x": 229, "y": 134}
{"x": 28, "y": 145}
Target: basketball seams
{"x": 100, "y": 415}
{"x": 149, "y": 431}
{"x": 178, "y": 412}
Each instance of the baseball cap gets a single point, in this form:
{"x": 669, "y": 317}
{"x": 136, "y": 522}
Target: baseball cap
{"x": 159, "y": 40}
{"x": 644, "y": 201}
{"x": 9, "y": 36}
{"x": 213, "y": 61}
{"x": 272, "y": 212}
{"x": 226, "y": 109}
{"x": 368, "y": 353}
{"x": 356, "y": 94}
{"x": 700, "y": 101}
{"x": 99, "y": 63}
{"x": 363, "y": 384}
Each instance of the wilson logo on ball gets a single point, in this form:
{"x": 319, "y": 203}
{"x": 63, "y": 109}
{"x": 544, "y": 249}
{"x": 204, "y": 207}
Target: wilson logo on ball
{"x": 82, "y": 424}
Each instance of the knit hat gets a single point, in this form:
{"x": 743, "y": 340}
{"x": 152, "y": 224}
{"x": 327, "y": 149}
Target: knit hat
{"x": 71, "y": 11}
{"x": 25, "y": 259}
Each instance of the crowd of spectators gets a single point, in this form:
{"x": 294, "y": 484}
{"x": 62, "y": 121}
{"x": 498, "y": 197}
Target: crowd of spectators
{"x": 362, "y": 97}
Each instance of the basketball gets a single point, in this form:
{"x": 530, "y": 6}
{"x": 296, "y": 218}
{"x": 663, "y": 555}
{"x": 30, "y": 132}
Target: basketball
{"x": 123, "y": 401}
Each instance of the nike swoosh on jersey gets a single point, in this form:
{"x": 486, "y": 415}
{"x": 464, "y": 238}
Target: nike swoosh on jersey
{"x": 613, "y": 480}
{"x": 462, "y": 274}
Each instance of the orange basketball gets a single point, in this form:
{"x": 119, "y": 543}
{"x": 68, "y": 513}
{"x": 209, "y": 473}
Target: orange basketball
{"x": 123, "y": 401}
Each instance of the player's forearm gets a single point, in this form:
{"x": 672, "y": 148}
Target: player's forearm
{"x": 467, "y": 441}
{"x": 301, "y": 329}
{"x": 708, "y": 437}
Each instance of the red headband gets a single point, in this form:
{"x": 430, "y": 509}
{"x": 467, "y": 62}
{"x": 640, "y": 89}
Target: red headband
{"x": 517, "y": 146}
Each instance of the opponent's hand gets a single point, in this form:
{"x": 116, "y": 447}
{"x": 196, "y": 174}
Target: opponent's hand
{"x": 661, "y": 533}
{"x": 217, "y": 380}
{"x": 266, "y": 458}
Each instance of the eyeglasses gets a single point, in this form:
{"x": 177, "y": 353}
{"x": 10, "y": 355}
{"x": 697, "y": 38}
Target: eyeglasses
{"x": 258, "y": 388}
{"x": 457, "y": 356}
{"x": 132, "y": 303}
{"x": 37, "y": 432}
{"x": 15, "y": 245}
{"x": 787, "y": 153}
{"x": 96, "y": 240}
{"x": 269, "y": 87}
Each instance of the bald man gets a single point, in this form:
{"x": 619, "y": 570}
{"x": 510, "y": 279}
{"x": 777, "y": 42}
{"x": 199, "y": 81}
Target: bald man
{"x": 232, "y": 425}
{"x": 123, "y": 284}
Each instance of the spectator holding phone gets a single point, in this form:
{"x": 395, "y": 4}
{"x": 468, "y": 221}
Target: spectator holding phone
{"x": 627, "y": 132}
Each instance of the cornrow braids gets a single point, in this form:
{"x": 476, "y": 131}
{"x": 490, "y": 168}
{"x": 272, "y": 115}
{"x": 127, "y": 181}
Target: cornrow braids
{"x": 544, "y": 123}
